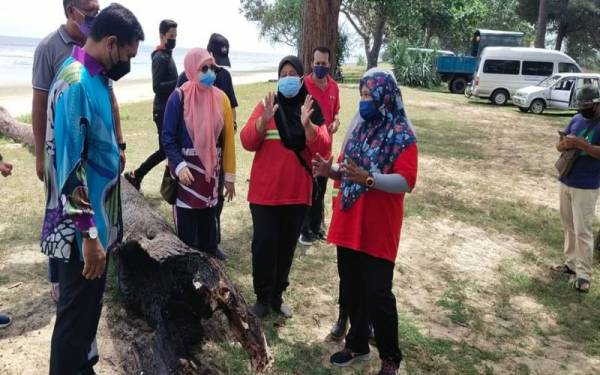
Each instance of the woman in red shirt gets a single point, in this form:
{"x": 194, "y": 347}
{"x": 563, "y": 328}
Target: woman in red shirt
{"x": 377, "y": 166}
{"x": 282, "y": 133}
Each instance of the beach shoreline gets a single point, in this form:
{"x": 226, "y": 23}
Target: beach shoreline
{"x": 17, "y": 98}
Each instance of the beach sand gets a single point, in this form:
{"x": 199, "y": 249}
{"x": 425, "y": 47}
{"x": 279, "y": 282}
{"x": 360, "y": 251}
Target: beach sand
{"x": 17, "y": 98}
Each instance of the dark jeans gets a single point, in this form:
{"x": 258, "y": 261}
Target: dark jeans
{"x": 73, "y": 349}
{"x": 221, "y": 202}
{"x": 197, "y": 228}
{"x": 276, "y": 231}
{"x": 53, "y": 270}
{"x": 158, "y": 156}
{"x": 313, "y": 221}
{"x": 367, "y": 288}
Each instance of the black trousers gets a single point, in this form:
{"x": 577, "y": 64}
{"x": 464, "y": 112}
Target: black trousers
{"x": 159, "y": 155}
{"x": 313, "y": 221}
{"x": 368, "y": 296}
{"x": 197, "y": 228}
{"x": 221, "y": 202}
{"x": 276, "y": 231}
{"x": 73, "y": 350}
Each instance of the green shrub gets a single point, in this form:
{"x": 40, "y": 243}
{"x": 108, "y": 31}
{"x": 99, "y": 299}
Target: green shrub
{"x": 413, "y": 68}
{"x": 361, "y": 61}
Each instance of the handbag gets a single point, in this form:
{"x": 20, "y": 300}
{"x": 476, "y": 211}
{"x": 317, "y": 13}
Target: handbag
{"x": 170, "y": 184}
{"x": 567, "y": 159}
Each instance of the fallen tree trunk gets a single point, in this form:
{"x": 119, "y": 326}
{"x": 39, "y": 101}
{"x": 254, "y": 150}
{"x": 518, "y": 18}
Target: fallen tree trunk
{"x": 173, "y": 286}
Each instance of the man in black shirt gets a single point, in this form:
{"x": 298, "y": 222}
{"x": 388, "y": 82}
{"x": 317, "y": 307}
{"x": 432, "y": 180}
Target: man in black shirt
{"x": 164, "y": 81}
{"x": 218, "y": 46}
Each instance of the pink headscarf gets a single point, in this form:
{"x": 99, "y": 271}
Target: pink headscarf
{"x": 202, "y": 110}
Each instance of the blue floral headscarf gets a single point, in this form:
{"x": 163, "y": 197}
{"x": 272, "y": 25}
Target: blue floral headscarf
{"x": 375, "y": 145}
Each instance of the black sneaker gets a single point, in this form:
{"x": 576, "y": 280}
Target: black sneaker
{"x": 261, "y": 309}
{"x": 339, "y": 329}
{"x": 322, "y": 235}
{"x": 307, "y": 239}
{"x": 130, "y": 177}
{"x": 220, "y": 255}
{"x": 371, "y": 334}
{"x": 347, "y": 357}
{"x": 389, "y": 367}
{"x": 5, "y": 321}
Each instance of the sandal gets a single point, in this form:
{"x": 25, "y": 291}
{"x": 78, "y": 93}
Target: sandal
{"x": 563, "y": 268}
{"x": 582, "y": 285}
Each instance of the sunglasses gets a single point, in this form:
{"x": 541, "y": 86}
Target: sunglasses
{"x": 205, "y": 68}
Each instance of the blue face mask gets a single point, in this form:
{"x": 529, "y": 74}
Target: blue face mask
{"x": 208, "y": 78}
{"x": 320, "y": 71}
{"x": 368, "y": 111}
{"x": 289, "y": 86}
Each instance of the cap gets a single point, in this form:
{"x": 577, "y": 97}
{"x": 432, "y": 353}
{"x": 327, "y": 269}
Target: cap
{"x": 218, "y": 45}
{"x": 586, "y": 96}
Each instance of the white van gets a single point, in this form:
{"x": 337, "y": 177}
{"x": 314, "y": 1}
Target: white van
{"x": 503, "y": 70}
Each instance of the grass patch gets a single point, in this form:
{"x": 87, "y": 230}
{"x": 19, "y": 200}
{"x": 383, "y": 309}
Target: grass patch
{"x": 455, "y": 300}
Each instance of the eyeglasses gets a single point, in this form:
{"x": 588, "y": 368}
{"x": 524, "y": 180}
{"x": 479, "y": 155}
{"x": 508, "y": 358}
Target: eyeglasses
{"x": 91, "y": 13}
{"x": 205, "y": 68}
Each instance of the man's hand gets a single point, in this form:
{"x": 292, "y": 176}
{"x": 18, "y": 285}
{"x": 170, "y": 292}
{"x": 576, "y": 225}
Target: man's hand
{"x": 334, "y": 126}
{"x": 354, "y": 173}
{"x": 229, "y": 191}
{"x": 185, "y": 176}
{"x": 94, "y": 259}
{"x": 5, "y": 168}
{"x": 570, "y": 142}
{"x": 39, "y": 167}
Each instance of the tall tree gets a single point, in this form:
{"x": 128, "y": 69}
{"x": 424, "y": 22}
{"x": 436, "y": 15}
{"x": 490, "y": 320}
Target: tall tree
{"x": 540, "y": 26}
{"x": 320, "y": 18}
{"x": 280, "y": 21}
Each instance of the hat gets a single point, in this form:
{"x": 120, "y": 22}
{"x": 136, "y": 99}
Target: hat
{"x": 218, "y": 45}
{"x": 586, "y": 96}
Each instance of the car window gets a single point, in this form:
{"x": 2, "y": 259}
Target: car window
{"x": 549, "y": 81}
{"x": 537, "y": 68}
{"x": 568, "y": 68}
{"x": 501, "y": 67}
{"x": 565, "y": 84}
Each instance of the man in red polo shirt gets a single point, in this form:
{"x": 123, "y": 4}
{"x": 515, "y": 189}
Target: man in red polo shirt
{"x": 326, "y": 93}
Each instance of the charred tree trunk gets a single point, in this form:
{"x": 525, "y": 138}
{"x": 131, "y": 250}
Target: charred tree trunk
{"x": 540, "y": 27}
{"x": 320, "y": 28}
{"x": 172, "y": 285}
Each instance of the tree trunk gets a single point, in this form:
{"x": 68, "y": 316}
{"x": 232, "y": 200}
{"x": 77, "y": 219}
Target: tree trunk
{"x": 373, "y": 54}
{"x": 320, "y": 29}
{"x": 540, "y": 32}
{"x": 172, "y": 285}
{"x": 560, "y": 35}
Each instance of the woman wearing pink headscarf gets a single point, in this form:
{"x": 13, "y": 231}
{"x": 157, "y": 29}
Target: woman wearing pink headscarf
{"x": 197, "y": 129}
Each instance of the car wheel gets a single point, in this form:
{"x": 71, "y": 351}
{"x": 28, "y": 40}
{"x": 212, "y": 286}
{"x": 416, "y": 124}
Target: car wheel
{"x": 500, "y": 97}
{"x": 458, "y": 85}
{"x": 537, "y": 106}
{"x": 524, "y": 109}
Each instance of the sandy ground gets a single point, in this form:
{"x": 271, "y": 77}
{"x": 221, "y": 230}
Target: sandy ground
{"x": 17, "y": 99}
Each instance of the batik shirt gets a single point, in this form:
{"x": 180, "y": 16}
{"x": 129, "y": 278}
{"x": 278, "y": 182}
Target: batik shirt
{"x": 82, "y": 160}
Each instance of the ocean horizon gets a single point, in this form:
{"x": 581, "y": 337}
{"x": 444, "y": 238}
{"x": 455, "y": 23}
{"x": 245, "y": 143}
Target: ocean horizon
{"x": 16, "y": 61}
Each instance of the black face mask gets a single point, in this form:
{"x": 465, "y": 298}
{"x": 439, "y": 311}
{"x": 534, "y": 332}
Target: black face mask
{"x": 170, "y": 44}
{"x": 588, "y": 113}
{"x": 119, "y": 69}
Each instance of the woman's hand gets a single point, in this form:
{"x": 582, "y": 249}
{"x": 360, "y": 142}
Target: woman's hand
{"x": 321, "y": 166}
{"x": 185, "y": 176}
{"x": 229, "y": 191}
{"x": 270, "y": 109}
{"x": 307, "y": 111}
{"x": 354, "y": 173}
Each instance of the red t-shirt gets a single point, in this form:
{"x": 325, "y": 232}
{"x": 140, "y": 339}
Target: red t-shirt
{"x": 372, "y": 225}
{"x": 277, "y": 177}
{"x": 328, "y": 99}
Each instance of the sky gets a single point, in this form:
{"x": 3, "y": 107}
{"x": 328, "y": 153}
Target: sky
{"x": 197, "y": 19}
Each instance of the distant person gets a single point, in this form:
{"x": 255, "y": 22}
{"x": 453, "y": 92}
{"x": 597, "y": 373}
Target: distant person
{"x": 284, "y": 131}
{"x": 325, "y": 91}
{"x": 579, "y": 189}
{"x": 164, "y": 81}
{"x": 48, "y": 58}
{"x": 5, "y": 170}
{"x": 197, "y": 128}
{"x": 376, "y": 168}
{"x": 475, "y": 45}
{"x": 83, "y": 221}
{"x": 218, "y": 46}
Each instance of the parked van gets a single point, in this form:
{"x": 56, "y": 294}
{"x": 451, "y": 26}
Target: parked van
{"x": 503, "y": 70}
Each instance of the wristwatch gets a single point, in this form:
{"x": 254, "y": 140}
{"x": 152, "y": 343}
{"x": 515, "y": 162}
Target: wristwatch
{"x": 370, "y": 181}
{"x": 123, "y": 146}
{"x": 90, "y": 234}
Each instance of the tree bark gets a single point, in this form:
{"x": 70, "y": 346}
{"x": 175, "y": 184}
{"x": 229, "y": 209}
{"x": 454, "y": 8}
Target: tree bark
{"x": 560, "y": 35}
{"x": 320, "y": 28}
{"x": 542, "y": 21}
{"x": 173, "y": 286}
